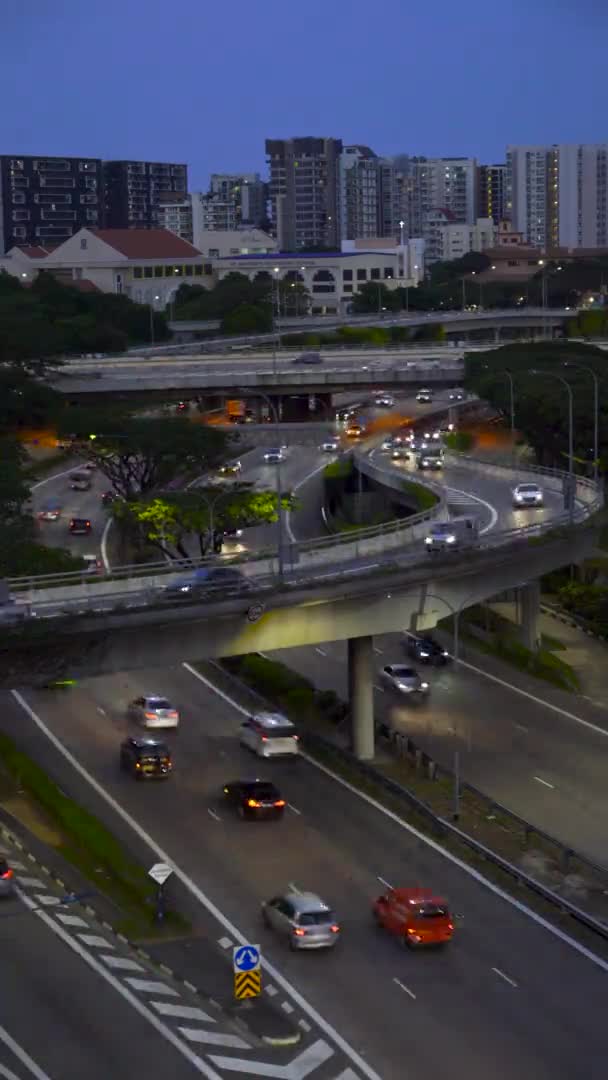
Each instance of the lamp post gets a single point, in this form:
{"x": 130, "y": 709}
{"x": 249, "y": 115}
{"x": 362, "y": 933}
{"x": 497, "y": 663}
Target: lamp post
{"x": 273, "y": 409}
{"x": 509, "y": 376}
{"x": 276, "y": 332}
{"x": 596, "y": 410}
{"x": 564, "y": 382}
{"x": 401, "y": 228}
{"x": 155, "y": 299}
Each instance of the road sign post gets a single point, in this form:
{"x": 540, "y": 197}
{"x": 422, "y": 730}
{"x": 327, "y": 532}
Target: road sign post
{"x": 246, "y": 966}
{"x": 160, "y": 873}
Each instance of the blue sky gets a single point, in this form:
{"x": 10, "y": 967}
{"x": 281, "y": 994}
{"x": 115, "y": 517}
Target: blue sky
{"x": 206, "y": 82}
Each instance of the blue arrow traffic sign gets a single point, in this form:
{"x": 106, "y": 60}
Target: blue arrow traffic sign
{"x": 246, "y": 957}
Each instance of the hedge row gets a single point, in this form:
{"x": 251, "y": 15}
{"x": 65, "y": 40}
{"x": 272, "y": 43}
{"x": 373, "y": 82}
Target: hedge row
{"x": 289, "y": 691}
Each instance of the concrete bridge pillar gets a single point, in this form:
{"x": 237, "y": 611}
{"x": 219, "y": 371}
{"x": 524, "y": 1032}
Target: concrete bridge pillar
{"x": 361, "y": 696}
{"x": 529, "y": 606}
{"x": 497, "y": 335}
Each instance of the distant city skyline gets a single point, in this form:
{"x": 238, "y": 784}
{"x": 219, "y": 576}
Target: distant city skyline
{"x": 132, "y": 81}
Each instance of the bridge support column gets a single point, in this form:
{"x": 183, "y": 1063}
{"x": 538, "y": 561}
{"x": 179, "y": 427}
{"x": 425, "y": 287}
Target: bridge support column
{"x": 497, "y": 334}
{"x": 529, "y": 605}
{"x": 361, "y": 696}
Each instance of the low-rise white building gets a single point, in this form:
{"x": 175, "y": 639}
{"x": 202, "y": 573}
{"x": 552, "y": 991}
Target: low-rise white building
{"x": 458, "y": 239}
{"x": 220, "y": 244}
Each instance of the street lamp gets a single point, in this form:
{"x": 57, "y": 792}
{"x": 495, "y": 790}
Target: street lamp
{"x": 401, "y": 228}
{"x": 564, "y": 382}
{"x": 509, "y": 376}
{"x": 151, "y": 308}
{"x": 273, "y": 409}
{"x": 596, "y": 410}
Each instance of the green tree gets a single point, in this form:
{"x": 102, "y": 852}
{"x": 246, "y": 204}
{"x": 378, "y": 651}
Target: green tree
{"x": 247, "y": 319}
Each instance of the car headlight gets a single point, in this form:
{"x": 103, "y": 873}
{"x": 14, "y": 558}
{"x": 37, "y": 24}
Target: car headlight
{"x": 428, "y": 539}
{"x": 424, "y": 655}
{"x": 424, "y": 685}
{"x": 450, "y": 539}
{"x": 445, "y": 653}
{"x": 519, "y": 498}
{"x": 403, "y": 686}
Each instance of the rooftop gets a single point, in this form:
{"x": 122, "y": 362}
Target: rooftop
{"x": 147, "y": 243}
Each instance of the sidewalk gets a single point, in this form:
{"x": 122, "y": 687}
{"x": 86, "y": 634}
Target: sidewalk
{"x": 585, "y": 654}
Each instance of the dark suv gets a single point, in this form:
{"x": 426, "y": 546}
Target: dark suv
{"x": 213, "y": 581}
{"x": 254, "y": 798}
{"x": 426, "y": 650}
{"x": 80, "y": 526}
{"x": 146, "y": 759}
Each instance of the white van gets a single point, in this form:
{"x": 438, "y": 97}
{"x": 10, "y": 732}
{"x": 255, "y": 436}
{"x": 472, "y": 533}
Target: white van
{"x": 459, "y": 532}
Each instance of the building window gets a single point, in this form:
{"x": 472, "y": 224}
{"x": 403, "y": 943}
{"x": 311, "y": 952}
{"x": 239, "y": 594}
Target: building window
{"x": 214, "y": 253}
{"x": 347, "y": 275}
{"x": 83, "y": 243}
{"x": 168, "y": 271}
{"x": 158, "y": 271}
{"x": 375, "y": 273}
{"x": 148, "y": 271}
{"x": 361, "y": 275}
{"x": 388, "y": 272}
{"x": 347, "y": 288}
{"x": 208, "y": 269}
{"x": 188, "y": 270}
{"x": 137, "y": 272}
{"x": 198, "y": 271}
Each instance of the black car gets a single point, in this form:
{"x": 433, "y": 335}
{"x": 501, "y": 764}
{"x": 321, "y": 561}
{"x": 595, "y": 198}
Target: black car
{"x": 80, "y": 526}
{"x": 146, "y": 759}
{"x": 254, "y": 798}
{"x": 216, "y": 581}
{"x": 426, "y": 650}
{"x": 109, "y": 497}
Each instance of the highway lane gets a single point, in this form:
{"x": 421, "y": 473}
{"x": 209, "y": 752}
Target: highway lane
{"x": 85, "y": 504}
{"x": 507, "y": 1000}
{"x": 66, "y": 1016}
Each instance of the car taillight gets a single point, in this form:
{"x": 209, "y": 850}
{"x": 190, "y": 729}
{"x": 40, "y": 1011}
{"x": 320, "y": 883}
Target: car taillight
{"x": 264, "y": 738}
{"x": 7, "y": 874}
{"x": 296, "y": 738}
{"x": 298, "y": 931}
{"x": 172, "y": 715}
{"x": 410, "y": 931}
{"x": 280, "y": 802}
{"x": 138, "y": 765}
{"x": 335, "y": 929}
{"x": 450, "y": 926}
{"x": 253, "y": 802}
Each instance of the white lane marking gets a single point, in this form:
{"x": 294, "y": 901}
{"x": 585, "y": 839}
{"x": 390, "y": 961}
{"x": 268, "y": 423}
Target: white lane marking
{"x": 225, "y": 943}
{"x": 214, "y": 1038}
{"x": 271, "y": 991}
{"x": 193, "y": 888}
{"x": 511, "y": 982}
{"x": 213, "y": 814}
{"x": 537, "y": 701}
{"x": 104, "y": 543}
{"x": 545, "y": 782}
{"x": 294, "y": 809}
{"x": 405, "y": 988}
{"x": 71, "y": 920}
{"x": 300, "y": 1067}
{"x": 317, "y": 469}
{"x": 14, "y": 864}
{"x": 286, "y": 1007}
{"x": 21, "y": 1056}
{"x": 380, "y": 688}
{"x": 306, "y": 1027}
{"x": 30, "y": 882}
{"x": 55, "y": 476}
{"x": 69, "y": 939}
{"x": 476, "y": 498}
{"x": 94, "y": 941}
{"x": 321, "y": 652}
{"x": 383, "y": 882}
{"x": 47, "y": 901}
{"x": 7, "y": 1074}
{"x": 182, "y": 1012}
{"x": 151, "y": 986}
{"x": 521, "y": 727}
{"x": 101, "y": 711}
{"x": 122, "y": 963}
{"x": 347, "y": 1074}
{"x": 264, "y": 655}
{"x": 379, "y": 651}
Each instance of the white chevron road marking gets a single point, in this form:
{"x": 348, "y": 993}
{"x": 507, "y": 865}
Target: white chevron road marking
{"x": 182, "y": 1012}
{"x": 301, "y": 1066}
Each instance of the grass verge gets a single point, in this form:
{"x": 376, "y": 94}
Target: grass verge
{"x": 92, "y": 849}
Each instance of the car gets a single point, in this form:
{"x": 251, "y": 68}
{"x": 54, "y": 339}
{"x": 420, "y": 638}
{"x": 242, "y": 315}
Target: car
{"x": 109, "y": 497}
{"x": 425, "y": 649}
{"x": 269, "y": 734}
{"x": 146, "y": 759}
{"x": 182, "y": 406}
{"x": 416, "y": 917}
{"x": 89, "y": 466}
{"x": 92, "y": 564}
{"x": 424, "y": 397}
{"x": 308, "y": 358}
{"x": 457, "y": 533}
{"x": 330, "y": 446}
{"x": 7, "y": 883}
{"x": 50, "y": 511}
{"x": 80, "y": 482}
{"x": 527, "y": 495}
{"x": 354, "y": 431}
{"x": 400, "y": 453}
{"x": 405, "y": 680}
{"x": 387, "y": 445}
{"x": 153, "y": 711}
{"x": 207, "y": 580}
{"x": 230, "y": 468}
{"x": 303, "y": 919}
{"x": 254, "y": 798}
{"x": 80, "y": 527}
{"x": 429, "y": 461}
{"x": 456, "y": 395}
{"x": 384, "y": 402}
{"x": 274, "y": 456}
{"x": 231, "y": 534}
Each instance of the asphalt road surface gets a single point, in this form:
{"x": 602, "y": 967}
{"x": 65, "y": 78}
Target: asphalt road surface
{"x": 82, "y": 504}
{"x": 508, "y": 999}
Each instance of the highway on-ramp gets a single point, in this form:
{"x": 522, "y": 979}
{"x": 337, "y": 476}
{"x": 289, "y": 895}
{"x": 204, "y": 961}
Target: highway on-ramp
{"x": 508, "y": 999}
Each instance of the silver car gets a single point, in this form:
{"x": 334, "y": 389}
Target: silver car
{"x": 153, "y": 712}
{"x": 405, "y": 680}
{"x": 80, "y": 482}
{"x": 527, "y": 495}
{"x": 330, "y": 447}
{"x": 269, "y": 735}
{"x": 424, "y": 397}
{"x": 274, "y": 456}
{"x": 303, "y": 919}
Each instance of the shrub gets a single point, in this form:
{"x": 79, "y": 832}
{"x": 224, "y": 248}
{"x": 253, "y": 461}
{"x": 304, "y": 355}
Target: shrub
{"x": 422, "y": 498}
{"x": 460, "y": 441}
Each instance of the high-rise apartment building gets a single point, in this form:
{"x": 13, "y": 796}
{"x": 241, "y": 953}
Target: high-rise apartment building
{"x": 45, "y": 200}
{"x": 491, "y": 192}
{"x": 557, "y": 196}
{"x": 175, "y": 214}
{"x": 234, "y": 201}
{"x": 358, "y": 196}
{"x": 134, "y": 190}
{"x": 304, "y": 185}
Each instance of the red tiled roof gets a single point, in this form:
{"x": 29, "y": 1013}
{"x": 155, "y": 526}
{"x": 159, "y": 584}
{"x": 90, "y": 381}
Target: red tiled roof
{"x": 147, "y": 243}
{"x": 34, "y": 252}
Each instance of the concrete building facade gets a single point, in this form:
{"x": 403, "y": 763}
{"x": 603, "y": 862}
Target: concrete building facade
{"x": 557, "y": 196}
{"x": 458, "y": 239}
{"x": 491, "y": 192}
{"x": 358, "y": 194}
{"x": 45, "y": 200}
{"x": 304, "y": 191}
{"x": 134, "y": 190}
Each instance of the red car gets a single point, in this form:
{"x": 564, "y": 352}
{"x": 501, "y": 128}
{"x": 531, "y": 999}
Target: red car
{"x": 417, "y": 917}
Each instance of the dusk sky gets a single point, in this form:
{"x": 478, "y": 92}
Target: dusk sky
{"x": 206, "y": 82}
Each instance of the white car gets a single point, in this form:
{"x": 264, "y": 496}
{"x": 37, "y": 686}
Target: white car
{"x": 404, "y": 679}
{"x": 80, "y": 482}
{"x": 424, "y": 397}
{"x": 527, "y": 495}
{"x": 385, "y": 402}
{"x": 274, "y": 456}
{"x": 330, "y": 446}
{"x": 153, "y": 712}
{"x": 269, "y": 735}
{"x": 456, "y": 395}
